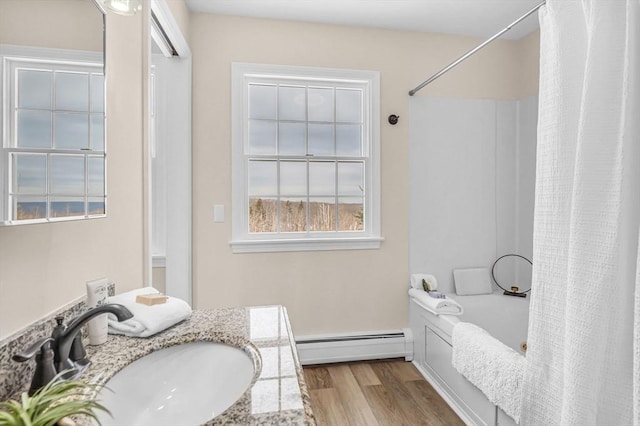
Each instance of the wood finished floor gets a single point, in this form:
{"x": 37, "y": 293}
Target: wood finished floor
{"x": 385, "y": 392}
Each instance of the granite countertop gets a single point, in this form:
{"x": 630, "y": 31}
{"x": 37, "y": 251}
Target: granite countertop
{"x": 278, "y": 395}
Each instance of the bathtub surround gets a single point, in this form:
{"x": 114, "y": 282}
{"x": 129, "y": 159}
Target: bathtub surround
{"x": 583, "y": 358}
{"x": 505, "y": 318}
{"x": 471, "y": 184}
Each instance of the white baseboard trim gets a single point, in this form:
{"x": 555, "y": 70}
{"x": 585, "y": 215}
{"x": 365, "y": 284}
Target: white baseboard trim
{"x": 325, "y": 349}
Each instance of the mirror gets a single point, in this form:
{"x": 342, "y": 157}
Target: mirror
{"x": 53, "y": 151}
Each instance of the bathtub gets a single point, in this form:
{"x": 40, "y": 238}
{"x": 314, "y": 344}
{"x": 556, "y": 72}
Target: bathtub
{"x": 505, "y": 317}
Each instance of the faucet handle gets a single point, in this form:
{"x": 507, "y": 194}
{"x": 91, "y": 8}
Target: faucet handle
{"x": 45, "y": 370}
{"x": 32, "y": 350}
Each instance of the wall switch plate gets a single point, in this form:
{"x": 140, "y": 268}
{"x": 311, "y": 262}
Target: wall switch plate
{"x": 218, "y": 213}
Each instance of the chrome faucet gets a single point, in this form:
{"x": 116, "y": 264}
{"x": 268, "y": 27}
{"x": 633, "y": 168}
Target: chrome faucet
{"x": 63, "y": 351}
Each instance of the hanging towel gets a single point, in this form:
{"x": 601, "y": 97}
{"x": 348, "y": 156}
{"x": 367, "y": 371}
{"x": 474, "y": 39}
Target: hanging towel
{"x": 493, "y": 367}
{"x": 147, "y": 320}
{"x": 446, "y": 306}
{"x": 416, "y": 281}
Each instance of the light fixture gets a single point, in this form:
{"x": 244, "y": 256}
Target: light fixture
{"x": 122, "y": 7}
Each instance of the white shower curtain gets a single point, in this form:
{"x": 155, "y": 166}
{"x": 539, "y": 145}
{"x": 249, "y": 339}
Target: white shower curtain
{"x": 583, "y": 361}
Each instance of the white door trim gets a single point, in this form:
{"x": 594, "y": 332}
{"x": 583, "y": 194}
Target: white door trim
{"x": 176, "y": 116}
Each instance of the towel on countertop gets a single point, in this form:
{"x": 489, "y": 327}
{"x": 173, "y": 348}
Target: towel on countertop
{"x": 493, "y": 367}
{"x": 416, "y": 281}
{"x": 147, "y": 320}
{"x": 446, "y": 306}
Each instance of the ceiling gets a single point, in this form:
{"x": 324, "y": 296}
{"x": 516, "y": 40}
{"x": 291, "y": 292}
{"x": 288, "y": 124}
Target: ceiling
{"x": 479, "y": 18}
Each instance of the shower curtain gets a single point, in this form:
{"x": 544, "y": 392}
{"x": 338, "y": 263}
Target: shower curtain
{"x": 583, "y": 358}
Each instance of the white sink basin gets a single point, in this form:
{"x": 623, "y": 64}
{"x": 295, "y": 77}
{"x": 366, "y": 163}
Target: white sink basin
{"x": 186, "y": 384}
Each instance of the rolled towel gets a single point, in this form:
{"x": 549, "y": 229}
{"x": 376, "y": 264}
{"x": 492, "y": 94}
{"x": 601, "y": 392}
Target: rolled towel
{"x": 493, "y": 367}
{"x": 147, "y": 320}
{"x": 416, "y": 281}
{"x": 446, "y": 306}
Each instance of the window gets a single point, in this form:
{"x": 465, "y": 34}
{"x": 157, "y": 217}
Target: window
{"x": 306, "y": 158}
{"x": 53, "y": 150}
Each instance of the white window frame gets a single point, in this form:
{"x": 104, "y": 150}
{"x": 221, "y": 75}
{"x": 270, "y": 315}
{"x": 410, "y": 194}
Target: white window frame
{"x": 12, "y": 57}
{"x": 245, "y": 242}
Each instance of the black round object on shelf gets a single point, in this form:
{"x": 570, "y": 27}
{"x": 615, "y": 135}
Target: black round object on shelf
{"x": 509, "y": 292}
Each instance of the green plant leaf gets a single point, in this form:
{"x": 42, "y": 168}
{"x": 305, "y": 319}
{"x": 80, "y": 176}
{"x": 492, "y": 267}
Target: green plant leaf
{"x": 58, "y": 399}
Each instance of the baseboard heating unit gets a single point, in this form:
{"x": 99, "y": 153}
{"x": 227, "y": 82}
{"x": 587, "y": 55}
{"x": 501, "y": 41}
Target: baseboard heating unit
{"x": 355, "y": 346}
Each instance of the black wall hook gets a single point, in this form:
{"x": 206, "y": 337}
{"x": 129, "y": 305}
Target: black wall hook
{"x": 393, "y": 119}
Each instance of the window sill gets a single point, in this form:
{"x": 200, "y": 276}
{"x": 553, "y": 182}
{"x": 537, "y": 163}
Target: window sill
{"x": 305, "y": 244}
{"x": 50, "y": 220}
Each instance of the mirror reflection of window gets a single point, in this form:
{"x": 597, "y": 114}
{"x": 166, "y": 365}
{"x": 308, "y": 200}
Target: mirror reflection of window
{"x": 53, "y": 163}
{"x": 57, "y": 148}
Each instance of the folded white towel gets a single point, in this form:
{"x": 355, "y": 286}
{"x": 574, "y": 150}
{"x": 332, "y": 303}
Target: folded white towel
{"x": 493, "y": 367}
{"x": 436, "y": 306}
{"x": 147, "y": 320}
{"x": 416, "y": 281}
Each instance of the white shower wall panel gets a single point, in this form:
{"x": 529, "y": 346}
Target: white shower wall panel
{"x": 452, "y": 185}
{"x": 504, "y": 174}
{"x": 470, "y": 190}
{"x": 526, "y": 180}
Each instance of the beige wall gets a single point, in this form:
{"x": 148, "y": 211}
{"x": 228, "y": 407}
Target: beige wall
{"x": 529, "y": 54}
{"x": 44, "y": 266}
{"x": 324, "y": 291}
{"x": 61, "y": 24}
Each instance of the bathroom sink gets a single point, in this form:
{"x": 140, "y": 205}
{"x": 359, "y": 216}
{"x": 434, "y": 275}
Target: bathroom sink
{"x": 187, "y": 384}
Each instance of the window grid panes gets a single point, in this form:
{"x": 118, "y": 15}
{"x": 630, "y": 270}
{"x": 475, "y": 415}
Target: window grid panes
{"x": 54, "y": 185}
{"x": 306, "y": 157}
{"x": 56, "y": 151}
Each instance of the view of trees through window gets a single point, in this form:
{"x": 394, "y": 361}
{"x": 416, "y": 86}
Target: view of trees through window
{"x": 323, "y": 216}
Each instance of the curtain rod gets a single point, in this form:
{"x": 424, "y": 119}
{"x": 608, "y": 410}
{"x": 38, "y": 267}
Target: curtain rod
{"x": 474, "y": 50}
